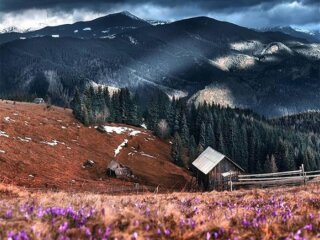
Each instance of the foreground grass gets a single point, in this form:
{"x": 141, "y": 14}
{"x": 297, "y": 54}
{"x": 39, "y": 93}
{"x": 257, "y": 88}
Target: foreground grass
{"x": 275, "y": 213}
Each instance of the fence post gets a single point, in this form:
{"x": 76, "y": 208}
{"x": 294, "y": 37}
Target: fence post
{"x": 303, "y": 174}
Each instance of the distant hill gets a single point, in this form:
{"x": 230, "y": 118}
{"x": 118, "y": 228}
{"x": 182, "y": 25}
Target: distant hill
{"x": 103, "y": 27}
{"x": 304, "y": 122}
{"x": 310, "y": 36}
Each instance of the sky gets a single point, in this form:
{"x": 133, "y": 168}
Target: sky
{"x": 34, "y": 14}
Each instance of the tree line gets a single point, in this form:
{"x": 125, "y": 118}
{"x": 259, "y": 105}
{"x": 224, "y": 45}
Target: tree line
{"x": 250, "y": 140}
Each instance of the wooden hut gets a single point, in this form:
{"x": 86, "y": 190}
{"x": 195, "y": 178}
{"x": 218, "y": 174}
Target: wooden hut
{"x": 38, "y": 101}
{"x": 116, "y": 169}
{"x": 213, "y": 169}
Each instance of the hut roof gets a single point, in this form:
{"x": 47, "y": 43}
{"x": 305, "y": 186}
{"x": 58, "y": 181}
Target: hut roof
{"x": 113, "y": 165}
{"x": 209, "y": 159}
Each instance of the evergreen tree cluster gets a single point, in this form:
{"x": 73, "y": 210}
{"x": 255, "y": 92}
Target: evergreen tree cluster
{"x": 96, "y": 106}
{"x": 304, "y": 122}
{"x": 254, "y": 143}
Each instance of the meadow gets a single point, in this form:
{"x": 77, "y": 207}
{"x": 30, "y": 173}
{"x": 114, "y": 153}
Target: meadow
{"x": 274, "y": 213}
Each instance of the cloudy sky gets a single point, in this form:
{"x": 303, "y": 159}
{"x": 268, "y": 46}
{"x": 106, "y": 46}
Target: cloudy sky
{"x": 34, "y": 14}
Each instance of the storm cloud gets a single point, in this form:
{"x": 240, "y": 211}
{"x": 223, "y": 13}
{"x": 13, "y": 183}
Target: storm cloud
{"x": 249, "y": 13}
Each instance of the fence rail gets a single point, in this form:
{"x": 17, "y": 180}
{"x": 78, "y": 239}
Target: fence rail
{"x": 272, "y": 179}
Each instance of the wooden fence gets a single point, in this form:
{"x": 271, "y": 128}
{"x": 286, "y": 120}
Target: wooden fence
{"x": 275, "y": 179}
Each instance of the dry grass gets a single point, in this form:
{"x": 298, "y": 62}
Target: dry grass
{"x": 274, "y": 213}
{"x": 23, "y": 153}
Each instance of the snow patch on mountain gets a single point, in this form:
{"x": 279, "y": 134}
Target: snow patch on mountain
{"x": 133, "y": 40}
{"x": 276, "y": 48}
{"x": 87, "y": 29}
{"x": 215, "y": 93}
{"x": 111, "y": 89}
{"x": 246, "y": 45}
{"x": 55, "y": 36}
{"x": 157, "y": 22}
{"x": 311, "y": 51}
{"x": 112, "y": 36}
{"x": 130, "y": 15}
{"x": 238, "y": 61}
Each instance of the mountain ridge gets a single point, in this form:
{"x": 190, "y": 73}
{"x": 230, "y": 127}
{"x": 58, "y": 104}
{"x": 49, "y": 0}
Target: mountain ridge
{"x": 258, "y": 70}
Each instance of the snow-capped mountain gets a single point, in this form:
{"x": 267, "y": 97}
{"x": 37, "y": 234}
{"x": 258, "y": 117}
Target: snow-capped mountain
{"x": 157, "y": 22}
{"x": 311, "y": 36}
{"x": 104, "y": 27}
{"x": 200, "y": 58}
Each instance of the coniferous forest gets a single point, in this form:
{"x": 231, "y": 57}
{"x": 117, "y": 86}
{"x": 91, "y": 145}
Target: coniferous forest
{"x": 256, "y": 144}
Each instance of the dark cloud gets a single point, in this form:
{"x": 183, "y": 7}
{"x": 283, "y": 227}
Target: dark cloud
{"x": 250, "y": 13}
{"x": 14, "y": 5}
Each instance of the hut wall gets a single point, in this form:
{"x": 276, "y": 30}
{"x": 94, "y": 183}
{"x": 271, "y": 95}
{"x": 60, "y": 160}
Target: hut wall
{"x": 216, "y": 181}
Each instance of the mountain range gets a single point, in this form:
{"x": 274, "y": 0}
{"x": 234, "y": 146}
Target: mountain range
{"x": 201, "y": 59}
{"x": 310, "y": 35}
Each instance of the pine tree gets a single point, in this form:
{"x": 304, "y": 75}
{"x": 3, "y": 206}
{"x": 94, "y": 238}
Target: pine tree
{"x": 210, "y": 138}
{"x": 76, "y": 105}
{"x": 184, "y": 130}
{"x": 202, "y": 136}
{"x": 192, "y": 150}
{"x": 274, "y": 167}
{"x": 176, "y": 150}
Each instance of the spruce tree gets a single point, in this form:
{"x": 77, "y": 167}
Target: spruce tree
{"x": 202, "y": 136}
{"x": 184, "y": 130}
{"x": 176, "y": 150}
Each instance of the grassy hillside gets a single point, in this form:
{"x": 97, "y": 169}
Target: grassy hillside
{"x": 45, "y": 148}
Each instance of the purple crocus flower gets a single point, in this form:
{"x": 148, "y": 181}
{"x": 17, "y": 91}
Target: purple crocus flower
{"x": 9, "y": 214}
{"x": 63, "y": 227}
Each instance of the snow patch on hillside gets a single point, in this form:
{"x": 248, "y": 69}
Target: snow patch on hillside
{"x": 119, "y": 148}
{"x": 55, "y": 36}
{"x": 87, "y": 29}
{"x": 147, "y": 155}
{"x": 53, "y": 143}
{"x": 121, "y": 130}
{"x": 3, "y": 134}
{"x": 8, "y": 119}
{"x": 24, "y": 139}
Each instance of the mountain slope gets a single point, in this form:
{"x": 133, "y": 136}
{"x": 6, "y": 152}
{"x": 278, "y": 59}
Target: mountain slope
{"x": 104, "y": 27}
{"x": 264, "y": 71}
{"x": 310, "y": 36}
{"x": 45, "y": 148}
